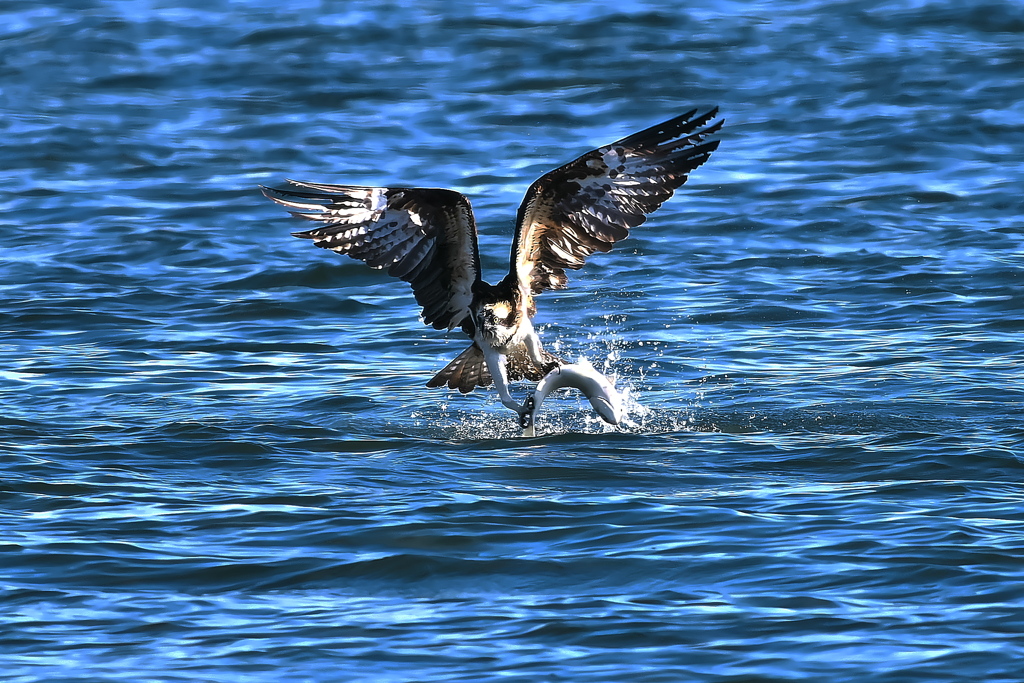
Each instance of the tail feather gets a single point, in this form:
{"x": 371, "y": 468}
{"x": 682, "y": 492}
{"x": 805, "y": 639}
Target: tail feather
{"x": 469, "y": 369}
{"x": 466, "y": 372}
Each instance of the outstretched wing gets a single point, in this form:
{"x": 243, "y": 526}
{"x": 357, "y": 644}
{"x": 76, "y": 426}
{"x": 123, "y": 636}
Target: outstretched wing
{"x": 591, "y": 203}
{"x": 426, "y": 237}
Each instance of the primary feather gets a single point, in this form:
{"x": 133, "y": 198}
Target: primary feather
{"x": 426, "y": 237}
{"x": 591, "y": 203}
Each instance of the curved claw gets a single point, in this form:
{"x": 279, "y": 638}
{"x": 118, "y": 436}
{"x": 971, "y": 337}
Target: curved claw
{"x": 526, "y": 414}
{"x": 552, "y": 366}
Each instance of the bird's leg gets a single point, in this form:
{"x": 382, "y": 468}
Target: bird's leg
{"x": 532, "y": 342}
{"x": 496, "y": 364}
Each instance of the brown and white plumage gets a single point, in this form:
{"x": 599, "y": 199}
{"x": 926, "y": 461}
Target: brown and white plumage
{"x": 427, "y": 237}
{"x": 424, "y": 236}
{"x": 591, "y": 203}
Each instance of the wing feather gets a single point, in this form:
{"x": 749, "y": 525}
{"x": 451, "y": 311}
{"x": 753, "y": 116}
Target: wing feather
{"x": 424, "y": 236}
{"x": 592, "y": 202}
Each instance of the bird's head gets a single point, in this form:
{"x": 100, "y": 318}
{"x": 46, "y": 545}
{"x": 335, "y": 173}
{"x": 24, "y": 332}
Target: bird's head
{"x": 499, "y": 313}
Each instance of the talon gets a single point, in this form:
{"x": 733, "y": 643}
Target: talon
{"x": 526, "y": 416}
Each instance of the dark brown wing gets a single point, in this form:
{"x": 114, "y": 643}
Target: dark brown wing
{"x": 426, "y": 237}
{"x": 591, "y": 203}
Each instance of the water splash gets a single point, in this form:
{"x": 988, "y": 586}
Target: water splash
{"x": 565, "y": 411}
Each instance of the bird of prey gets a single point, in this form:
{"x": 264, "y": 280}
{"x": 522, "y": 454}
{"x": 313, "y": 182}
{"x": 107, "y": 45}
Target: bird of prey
{"x": 427, "y": 237}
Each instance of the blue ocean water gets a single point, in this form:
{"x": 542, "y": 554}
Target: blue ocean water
{"x": 218, "y": 458}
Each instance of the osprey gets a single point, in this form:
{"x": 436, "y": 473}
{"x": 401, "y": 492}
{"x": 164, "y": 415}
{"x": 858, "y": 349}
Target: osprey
{"x": 427, "y": 237}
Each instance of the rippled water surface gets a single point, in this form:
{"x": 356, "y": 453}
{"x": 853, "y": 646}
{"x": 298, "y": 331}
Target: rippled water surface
{"x": 219, "y": 459}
